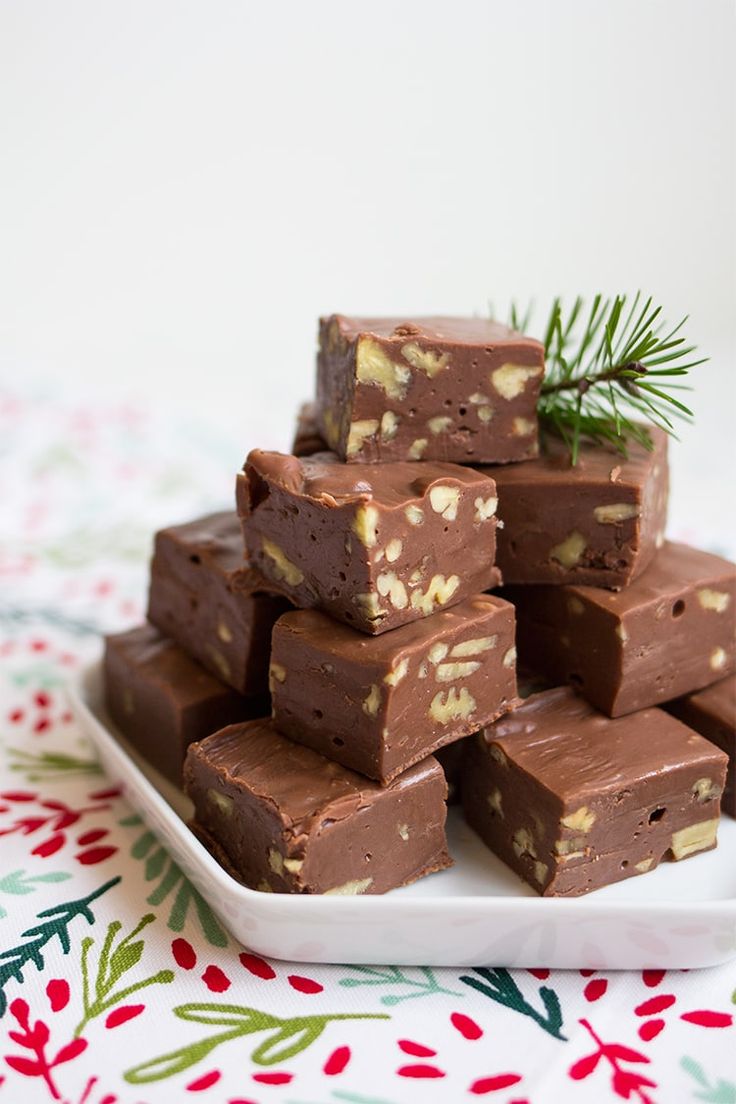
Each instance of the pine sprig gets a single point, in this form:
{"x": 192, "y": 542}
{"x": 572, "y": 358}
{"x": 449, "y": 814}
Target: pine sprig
{"x": 610, "y": 365}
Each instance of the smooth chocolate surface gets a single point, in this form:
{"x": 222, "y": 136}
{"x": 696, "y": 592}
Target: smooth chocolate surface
{"x": 161, "y": 700}
{"x": 459, "y": 389}
{"x": 375, "y": 545}
{"x": 289, "y": 821}
{"x": 213, "y": 605}
{"x": 572, "y": 800}
{"x": 599, "y": 523}
{"x": 673, "y": 630}
{"x": 712, "y": 713}
{"x": 379, "y": 704}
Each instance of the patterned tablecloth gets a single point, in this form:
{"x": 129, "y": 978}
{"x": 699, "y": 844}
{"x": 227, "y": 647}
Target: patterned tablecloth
{"x": 117, "y": 983}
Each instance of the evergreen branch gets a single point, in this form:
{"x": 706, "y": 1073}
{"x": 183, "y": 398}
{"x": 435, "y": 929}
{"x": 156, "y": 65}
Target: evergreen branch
{"x": 601, "y": 364}
{"x": 499, "y": 985}
{"x": 54, "y": 922}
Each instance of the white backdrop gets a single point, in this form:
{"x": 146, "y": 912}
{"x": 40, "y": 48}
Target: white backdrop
{"x": 185, "y": 186}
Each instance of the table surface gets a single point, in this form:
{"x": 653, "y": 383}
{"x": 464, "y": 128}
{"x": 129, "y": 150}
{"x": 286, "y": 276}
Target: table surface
{"x": 117, "y": 984}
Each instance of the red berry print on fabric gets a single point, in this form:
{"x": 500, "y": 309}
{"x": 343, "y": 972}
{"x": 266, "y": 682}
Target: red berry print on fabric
{"x": 57, "y": 991}
{"x": 420, "y": 1071}
{"x": 215, "y": 980}
{"x": 705, "y": 1018}
{"x": 485, "y": 1085}
{"x": 121, "y": 1015}
{"x": 595, "y": 989}
{"x": 337, "y": 1061}
{"x": 184, "y": 954}
{"x": 304, "y": 984}
{"x": 257, "y": 966}
{"x": 417, "y": 1050}
{"x": 206, "y": 1081}
{"x": 468, "y": 1028}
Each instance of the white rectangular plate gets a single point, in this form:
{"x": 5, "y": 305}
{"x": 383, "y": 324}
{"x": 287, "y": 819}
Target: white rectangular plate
{"x": 682, "y": 915}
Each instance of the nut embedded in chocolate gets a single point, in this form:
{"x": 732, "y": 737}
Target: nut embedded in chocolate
{"x": 380, "y": 704}
{"x": 572, "y": 800}
{"x": 598, "y": 523}
{"x": 453, "y": 389}
{"x": 668, "y": 633}
{"x": 712, "y": 713}
{"x": 375, "y": 545}
{"x": 210, "y": 602}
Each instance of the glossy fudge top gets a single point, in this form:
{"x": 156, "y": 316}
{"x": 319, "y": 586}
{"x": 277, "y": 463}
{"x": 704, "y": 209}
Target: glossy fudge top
{"x": 676, "y": 568}
{"x": 438, "y": 328}
{"x": 326, "y": 480}
{"x": 301, "y": 785}
{"x": 573, "y": 750}
{"x": 157, "y": 658}
{"x": 346, "y": 644}
{"x": 596, "y": 464}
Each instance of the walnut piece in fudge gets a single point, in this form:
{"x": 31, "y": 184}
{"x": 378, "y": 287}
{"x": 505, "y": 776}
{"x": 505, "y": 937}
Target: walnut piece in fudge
{"x": 379, "y": 704}
{"x": 161, "y": 700}
{"x": 284, "y": 819}
{"x": 572, "y": 800}
{"x": 671, "y": 631}
{"x": 712, "y": 713}
{"x": 599, "y": 523}
{"x": 459, "y": 389}
{"x": 205, "y": 598}
{"x": 375, "y": 545}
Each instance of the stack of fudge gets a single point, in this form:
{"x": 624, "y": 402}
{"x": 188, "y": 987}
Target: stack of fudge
{"x": 317, "y": 667}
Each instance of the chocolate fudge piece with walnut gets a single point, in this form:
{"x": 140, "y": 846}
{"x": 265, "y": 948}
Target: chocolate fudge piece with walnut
{"x": 380, "y": 704}
{"x": 668, "y": 633}
{"x": 712, "y": 713}
{"x": 284, "y": 819}
{"x": 375, "y": 545}
{"x": 211, "y": 603}
{"x": 572, "y": 800}
{"x": 599, "y": 522}
{"x": 459, "y": 389}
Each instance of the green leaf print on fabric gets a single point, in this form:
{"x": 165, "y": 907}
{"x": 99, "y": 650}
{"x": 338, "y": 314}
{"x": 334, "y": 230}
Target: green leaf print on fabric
{"x": 172, "y": 884}
{"x": 54, "y": 923}
{"x": 721, "y": 1092}
{"x": 423, "y": 986}
{"x": 51, "y": 764}
{"x": 18, "y": 883}
{"x": 286, "y": 1037}
{"x": 499, "y": 985}
{"x": 114, "y": 961}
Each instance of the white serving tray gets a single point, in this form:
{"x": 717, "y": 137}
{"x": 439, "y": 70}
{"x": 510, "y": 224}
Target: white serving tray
{"x": 682, "y": 915}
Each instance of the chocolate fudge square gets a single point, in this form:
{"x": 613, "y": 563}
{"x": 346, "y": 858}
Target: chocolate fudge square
{"x": 210, "y": 602}
{"x": 668, "y": 633}
{"x": 375, "y": 545}
{"x": 457, "y": 389}
{"x": 712, "y": 713}
{"x": 599, "y": 523}
{"x": 161, "y": 700}
{"x": 284, "y": 819}
{"x": 572, "y": 800}
{"x": 379, "y": 704}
